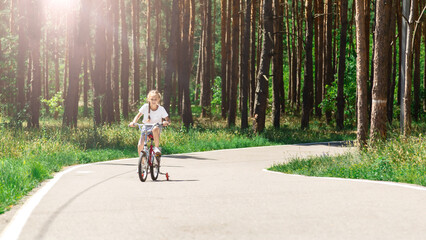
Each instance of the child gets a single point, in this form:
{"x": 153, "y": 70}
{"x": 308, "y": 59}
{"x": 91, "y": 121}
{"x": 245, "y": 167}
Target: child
{"x": 152, "y": 113}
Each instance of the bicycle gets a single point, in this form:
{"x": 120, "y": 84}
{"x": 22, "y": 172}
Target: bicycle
{"x": 148, "y": 162}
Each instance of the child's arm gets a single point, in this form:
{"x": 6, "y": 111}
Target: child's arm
{"x": 135, "y": 120}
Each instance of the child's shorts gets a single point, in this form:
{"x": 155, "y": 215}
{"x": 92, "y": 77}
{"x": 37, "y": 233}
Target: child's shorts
{"x": 148, "y": 128}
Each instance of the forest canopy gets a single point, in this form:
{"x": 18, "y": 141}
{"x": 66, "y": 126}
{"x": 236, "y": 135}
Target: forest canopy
{"x": 352, "y": 64}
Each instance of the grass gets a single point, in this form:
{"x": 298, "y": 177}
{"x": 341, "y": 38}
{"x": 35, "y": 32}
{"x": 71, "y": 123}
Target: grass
{"x": 398, "y": 160}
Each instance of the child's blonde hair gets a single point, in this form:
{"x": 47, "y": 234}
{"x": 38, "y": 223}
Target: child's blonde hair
{"x": 152, "y": 93}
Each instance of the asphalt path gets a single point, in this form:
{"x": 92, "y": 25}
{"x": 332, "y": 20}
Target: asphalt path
{"x": 224, "y": 194}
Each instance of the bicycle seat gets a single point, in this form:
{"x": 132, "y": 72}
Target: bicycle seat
{"x": 150, "y": 136}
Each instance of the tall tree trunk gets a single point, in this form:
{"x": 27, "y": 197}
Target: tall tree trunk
{"x": 424, "y": 75}
{"x": 34, "y": 31}
{"x": 79, "y": 47}
{"x": 86, "y": 83}
{"x": 308, "y": 96}
{"x": 319, "y": 70}
{"x": 206, "y": 60}
{"x": 136, "y": 49}
{"x": 56, "y": 63}
{"x": 342, "y": 66}
{"x": 328, "y": 59}
{"x": 299, "y": 53}
{"x": 408, "y": 71}
{"x": 265, "y": 60}
{"x": 157, "y": 60}
{"x": 404, "y": 30}
{"x": 361, "y": 73}
{"x": 253, "y": 57}
{"x": 381, "y": 71}
{"x": 223, "y": 43}
{"x": 293, "y": 81}
{"x": 125, "y": 62}
{"x": 185, "y": 67}
{"x": 416, "y": 76}
{"x": 99, "y": 73}
{"x": 392, "y": 62}
{"x": 245, "y": 66}
{"x": 171, "y": 63}
{"x": 46, "y": 69}
{"x": 278, "y": 57}
{"x": 229, "y": 57}
{"x": 116, "y": 68}
{"x": 109, "y": 110}
{"x": 232, "y": 111}
{"x": 22, "y": 54}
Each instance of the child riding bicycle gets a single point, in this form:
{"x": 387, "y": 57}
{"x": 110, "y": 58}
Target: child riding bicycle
{"x": 152, "y": 113}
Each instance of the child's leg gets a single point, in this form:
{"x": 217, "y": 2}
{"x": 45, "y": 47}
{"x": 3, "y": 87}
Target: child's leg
{"x": 156, "y": 133}
{"x": 140, "y": 145}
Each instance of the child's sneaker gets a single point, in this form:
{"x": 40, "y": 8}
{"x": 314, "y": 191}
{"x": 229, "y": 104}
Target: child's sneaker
{"x": 157, "y": 151}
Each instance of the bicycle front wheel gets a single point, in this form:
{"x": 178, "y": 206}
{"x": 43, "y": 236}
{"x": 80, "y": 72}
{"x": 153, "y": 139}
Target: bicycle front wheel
{"x": 155, "y": 167}
{"x": 143, "y": 167}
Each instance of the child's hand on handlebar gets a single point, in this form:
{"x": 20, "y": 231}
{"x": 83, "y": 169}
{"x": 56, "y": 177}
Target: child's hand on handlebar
{"x": 166, "y": 123}
{"x": 132, "y": 124}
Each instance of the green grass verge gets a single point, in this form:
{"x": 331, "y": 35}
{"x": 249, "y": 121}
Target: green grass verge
{"x": 396, "y": 160}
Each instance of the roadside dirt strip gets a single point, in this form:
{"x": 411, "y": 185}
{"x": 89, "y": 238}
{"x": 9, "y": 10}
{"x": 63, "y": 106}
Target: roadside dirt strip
{"x": 223, "y": 194}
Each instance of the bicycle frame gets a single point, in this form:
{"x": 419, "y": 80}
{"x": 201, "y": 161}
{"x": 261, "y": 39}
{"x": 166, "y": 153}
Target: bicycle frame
{"x": 148, "y": 152}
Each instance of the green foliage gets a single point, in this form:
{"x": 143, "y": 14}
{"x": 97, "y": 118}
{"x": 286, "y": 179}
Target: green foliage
{"x": 329, "y": 101}
{"x": 217, "y": 92}
{"x": 55, "y": 102}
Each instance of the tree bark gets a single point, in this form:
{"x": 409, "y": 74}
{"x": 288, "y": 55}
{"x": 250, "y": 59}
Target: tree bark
{"x": 125, "y": 62}
{"x": 408, "y": 71}
{"x": 232, "y": 109}
{"x": 245, "y": 81}
{"x": 136, "y": 49}
{"x": 404, "y": 30}
{"x": 99, "y": 73}
{"x": 278, "y": 57}
{"x": 319, "y": 70}
{"x": 34, "y": 31}
{"x": 78, "y": 50}
{"x": 416, "y": 76}
{"x": 361, "y": 74}
{"x": 185, "y": 66}
{"x": 308, "y": 97}
{"x": 265, "y": 60}
{"x": 206, "y": 61}
{"x": 171, "y": 63}
{"x": 342, "y": 66}
{"x": 381, "y": 71}
{"x": 223, "y": 43}
{"x": 253, "y": 57}
{"x": 22, "y": 54}
{"x": 116, "y": 61}
{"x": 328, "y": 59}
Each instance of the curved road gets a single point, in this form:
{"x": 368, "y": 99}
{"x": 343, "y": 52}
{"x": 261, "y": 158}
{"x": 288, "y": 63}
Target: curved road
{"x": 217, "y": 195}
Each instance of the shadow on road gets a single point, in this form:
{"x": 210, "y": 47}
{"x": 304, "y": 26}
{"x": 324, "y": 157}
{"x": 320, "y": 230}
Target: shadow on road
{"x": 52, "y": 218}
{"x": 188, "y": 157}
{"x": 331, "y": 144}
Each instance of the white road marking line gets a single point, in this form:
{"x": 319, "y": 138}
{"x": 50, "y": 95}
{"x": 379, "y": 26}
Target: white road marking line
{"x": 14, "y": 228}
{"x": 403, "y": 185}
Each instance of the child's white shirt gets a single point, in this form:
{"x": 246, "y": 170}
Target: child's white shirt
{"x": 156, "y": 116}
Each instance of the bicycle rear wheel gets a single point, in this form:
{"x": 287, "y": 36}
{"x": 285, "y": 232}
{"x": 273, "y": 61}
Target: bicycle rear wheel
{"x": 155, "y": 167}
{"x": 143, "y": 167}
